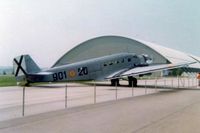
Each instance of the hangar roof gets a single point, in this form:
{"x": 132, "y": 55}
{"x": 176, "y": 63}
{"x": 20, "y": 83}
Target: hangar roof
{"x": 175, "y": 56}
{"x": 107, "y": 45}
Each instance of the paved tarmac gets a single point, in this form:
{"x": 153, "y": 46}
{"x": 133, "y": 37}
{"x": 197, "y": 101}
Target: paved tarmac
{"x": 162, "y": 110}
{"x": 45, "y": 98}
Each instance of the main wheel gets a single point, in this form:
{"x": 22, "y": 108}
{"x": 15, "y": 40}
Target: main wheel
{"x": 132, "y": 81}
{"x": 115, "y": 82}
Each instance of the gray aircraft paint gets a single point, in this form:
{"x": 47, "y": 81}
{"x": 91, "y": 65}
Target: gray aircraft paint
{"x": 92, "y": 69}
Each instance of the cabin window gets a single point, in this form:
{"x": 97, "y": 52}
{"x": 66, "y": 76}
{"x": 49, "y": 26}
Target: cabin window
{"x": 110, "y": 63}
{"x": 129, "y": 59}
{"x": 117, "y": 62}
{"x": 122, "y": 60}
{"x": 134, "y": 56}
{"x": 105, "y": 65}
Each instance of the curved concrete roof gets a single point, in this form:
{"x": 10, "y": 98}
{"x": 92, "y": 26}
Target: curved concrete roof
{"x": 175, "y": 56}
{"x": 107, "y": 45}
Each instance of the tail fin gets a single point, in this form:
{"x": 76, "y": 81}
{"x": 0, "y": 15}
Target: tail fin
{"x": 24, "y": 65}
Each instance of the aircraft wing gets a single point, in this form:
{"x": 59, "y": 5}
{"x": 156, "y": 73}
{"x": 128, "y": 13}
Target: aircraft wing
{"x": 148, "y": 69}
{"x": 117, "y": 74}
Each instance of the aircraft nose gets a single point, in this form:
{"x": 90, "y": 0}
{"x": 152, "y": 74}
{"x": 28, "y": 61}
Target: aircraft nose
{"x": 147, "y": 59}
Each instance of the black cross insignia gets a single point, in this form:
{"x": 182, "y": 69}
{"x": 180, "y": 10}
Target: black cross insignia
{"x": 19, "y": 66}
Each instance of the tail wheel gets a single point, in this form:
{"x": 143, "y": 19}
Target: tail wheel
{"x": 115, "y": 82}
{"x": 132, "y": 81}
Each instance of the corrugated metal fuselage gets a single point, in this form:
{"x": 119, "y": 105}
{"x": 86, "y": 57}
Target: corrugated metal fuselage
{"x": 93, "y": 69}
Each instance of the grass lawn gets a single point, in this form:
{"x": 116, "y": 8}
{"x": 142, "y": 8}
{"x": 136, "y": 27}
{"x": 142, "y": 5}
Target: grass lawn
{"x": 7, "y": 80}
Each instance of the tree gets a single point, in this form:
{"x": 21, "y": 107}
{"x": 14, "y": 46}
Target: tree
{"x": 4, "y": 72}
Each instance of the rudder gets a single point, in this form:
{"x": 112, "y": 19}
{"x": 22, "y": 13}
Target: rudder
{"x": 24, "y": 65}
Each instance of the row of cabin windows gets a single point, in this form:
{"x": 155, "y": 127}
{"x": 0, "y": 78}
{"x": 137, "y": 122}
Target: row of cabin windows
{"x": 116, "y": 62}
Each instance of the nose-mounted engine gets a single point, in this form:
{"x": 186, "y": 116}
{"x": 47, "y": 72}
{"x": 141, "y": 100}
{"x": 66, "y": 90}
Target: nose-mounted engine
{"x": 148, "y": 60}
{"x": 145, "y": 60}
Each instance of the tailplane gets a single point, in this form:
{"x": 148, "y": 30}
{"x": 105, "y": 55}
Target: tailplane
{"x": 23, "y": 66}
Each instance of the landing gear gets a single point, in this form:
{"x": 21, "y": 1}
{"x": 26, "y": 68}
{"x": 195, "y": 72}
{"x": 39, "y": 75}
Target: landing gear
{"x": 115, "y": 82}
{"x": 132, "y": 81}
{"x": 27, "y": 84}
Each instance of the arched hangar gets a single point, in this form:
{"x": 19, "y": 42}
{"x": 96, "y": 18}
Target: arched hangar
{"x": 107, "y": 45}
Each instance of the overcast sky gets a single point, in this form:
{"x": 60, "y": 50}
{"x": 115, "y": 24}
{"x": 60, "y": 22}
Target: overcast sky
{"x": 46, "y": 29}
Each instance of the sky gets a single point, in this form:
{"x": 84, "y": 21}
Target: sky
{"x": 47, "y": 29}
